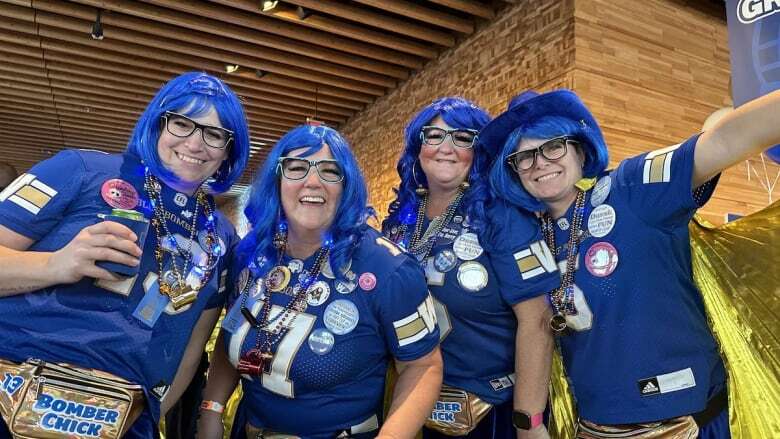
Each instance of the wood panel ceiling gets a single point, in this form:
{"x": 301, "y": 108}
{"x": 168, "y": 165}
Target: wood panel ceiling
{"x": 325, "y": 59}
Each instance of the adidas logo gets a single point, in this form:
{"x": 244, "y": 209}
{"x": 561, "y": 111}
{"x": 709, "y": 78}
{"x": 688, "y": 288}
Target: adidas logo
{"x": 650, "y": 388}
{"x": 160, "y": 390}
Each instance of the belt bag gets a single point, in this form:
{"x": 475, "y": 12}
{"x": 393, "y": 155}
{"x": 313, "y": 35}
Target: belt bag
{"x": 683, "y": 427}
{"x": 47, "y": 400}
{"x": 457, "y": 412}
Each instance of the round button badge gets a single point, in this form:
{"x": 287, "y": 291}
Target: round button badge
{"x": 601, "y": 259}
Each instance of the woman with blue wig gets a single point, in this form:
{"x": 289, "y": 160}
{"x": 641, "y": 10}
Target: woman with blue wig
{"x": 636, "y": 345}
{"x": 444, "y": 216}
{"x": 112, "y": 269}
{"x": 321, "y": 304}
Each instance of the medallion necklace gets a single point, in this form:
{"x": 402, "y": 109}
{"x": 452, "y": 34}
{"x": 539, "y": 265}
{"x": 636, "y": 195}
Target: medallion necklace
{"x": 176, "y": 288}
{"x": 562, "y": 298}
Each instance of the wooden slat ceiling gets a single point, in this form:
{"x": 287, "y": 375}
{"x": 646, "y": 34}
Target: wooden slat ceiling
{"x": 325, "y": 59}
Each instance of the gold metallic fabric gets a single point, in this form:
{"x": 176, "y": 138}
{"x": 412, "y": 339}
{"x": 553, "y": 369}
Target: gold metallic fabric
{"x": 46, "y": 400}
{"x": 683, "y": 427}
{"x": 737, "y": 269}
{"x": 457, "y": 412}
{"x": 253, "y": 432}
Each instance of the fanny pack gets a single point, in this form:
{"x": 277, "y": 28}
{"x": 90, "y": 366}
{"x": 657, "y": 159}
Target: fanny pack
{"x": 457, "y": 412}
{"x": 369, "y": 425}
{"x": 683, "y": 427}
{"x": 48, "y": 400}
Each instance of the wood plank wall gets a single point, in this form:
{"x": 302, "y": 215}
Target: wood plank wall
{"x": 650, "y": 70}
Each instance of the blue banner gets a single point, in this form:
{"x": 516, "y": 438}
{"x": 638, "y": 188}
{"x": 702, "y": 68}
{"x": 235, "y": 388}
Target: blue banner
{"x": 754, "y": 43}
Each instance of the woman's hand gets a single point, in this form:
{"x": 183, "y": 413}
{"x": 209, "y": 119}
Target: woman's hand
{"x": 104, "y": 241}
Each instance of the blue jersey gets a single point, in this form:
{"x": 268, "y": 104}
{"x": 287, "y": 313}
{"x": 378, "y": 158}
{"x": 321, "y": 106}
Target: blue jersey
{"x": 93, "y": 323}
{"x": 475, "y": 280}
{"x": 328, "y": 370}
{"x": 641, "y": 349}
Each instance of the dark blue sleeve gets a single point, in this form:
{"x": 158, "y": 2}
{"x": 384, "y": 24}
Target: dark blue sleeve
{"x": 36, "y": 201}
{"x": 658, "y": 185}
{"x": 405, "y": 312}
{"x": 523, "y": 263}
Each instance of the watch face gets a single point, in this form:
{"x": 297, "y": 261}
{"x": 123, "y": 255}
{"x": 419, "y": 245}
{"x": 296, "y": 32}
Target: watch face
{"x": 521, "y": 420}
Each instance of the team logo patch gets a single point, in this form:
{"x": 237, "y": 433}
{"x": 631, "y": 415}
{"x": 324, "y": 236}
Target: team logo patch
{"x": 417, "y": 325}
{"x": 535, "y": 260}
{"x": 28, "y": 193}
{"x": 658, "y": 165}
{"x": 160, "y": 390}
{"x": 119, "y": 194}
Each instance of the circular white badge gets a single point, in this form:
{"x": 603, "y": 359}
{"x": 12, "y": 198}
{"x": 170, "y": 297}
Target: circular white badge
{"x": 563, "y": 223}
{"x": 295, "y": 265}
{"x": 321, "y": 341}
{"x": 601, "y": 190}
{"x": 341, "y": 316}
{"x": 601, "y": 220}
{"x": 345, "y": 287}
{"x": 472, "y": 276}
{"x": 318, "y": 293}
{"x": 467, "y": 247}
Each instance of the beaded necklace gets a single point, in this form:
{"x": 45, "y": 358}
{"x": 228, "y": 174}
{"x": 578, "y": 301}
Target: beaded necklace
{"x": 256, "y": 360}
{"x": 420, "y": 246}
{"x": 177, "y": 289}
{"x": 562, "y": 298}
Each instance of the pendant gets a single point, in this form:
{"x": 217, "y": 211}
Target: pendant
{"x": 181, "y": 299}
{"x": 558, "y": 323}
{"x": 254, "y": 362}
{"x": 278, "y": 278}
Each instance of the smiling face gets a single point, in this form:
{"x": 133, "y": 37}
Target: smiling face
{"x": 445, "y": 165}
{"x": 310, "y": 204}
{"x": 190, "y": 158}
{"x": 552, "y": 182}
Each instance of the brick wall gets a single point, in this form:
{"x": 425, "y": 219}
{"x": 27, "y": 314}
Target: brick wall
{"x": 650, "y": 70}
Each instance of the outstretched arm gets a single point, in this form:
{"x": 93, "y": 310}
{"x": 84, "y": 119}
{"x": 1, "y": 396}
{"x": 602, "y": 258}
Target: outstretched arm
{"x": 744, "y": 132}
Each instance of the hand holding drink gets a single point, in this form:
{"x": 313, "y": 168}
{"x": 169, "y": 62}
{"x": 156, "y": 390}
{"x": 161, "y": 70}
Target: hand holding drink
{"x": 136, "y": 222}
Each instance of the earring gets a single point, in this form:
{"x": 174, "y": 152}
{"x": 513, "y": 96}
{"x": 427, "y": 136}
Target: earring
{"x": 421, "y": 191}
{"x": 280, "y": 237}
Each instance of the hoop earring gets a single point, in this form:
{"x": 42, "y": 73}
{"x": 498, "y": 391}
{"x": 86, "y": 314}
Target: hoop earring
{"x": 420, "y": 190}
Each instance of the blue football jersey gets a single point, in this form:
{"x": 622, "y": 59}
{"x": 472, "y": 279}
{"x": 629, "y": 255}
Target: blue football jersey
{"x": 475, "y": 280}
{"x": 640, "y": 348}
{"x": 328, "y": 370}
{"x": 118, "y": 327}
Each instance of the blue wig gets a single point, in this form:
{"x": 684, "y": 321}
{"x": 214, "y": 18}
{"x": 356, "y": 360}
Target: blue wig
{"x": 264, "y": 209}
{"x": 506, "y": 184}
{"x": 459, "y": 113}
{"x": 195, "y": 92}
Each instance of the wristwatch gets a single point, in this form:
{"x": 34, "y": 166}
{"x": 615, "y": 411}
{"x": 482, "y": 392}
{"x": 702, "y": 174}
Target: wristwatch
{"x": 524, "y": 421}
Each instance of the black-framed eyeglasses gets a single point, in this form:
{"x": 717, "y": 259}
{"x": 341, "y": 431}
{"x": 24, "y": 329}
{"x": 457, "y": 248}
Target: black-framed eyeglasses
{"x": 553, "y": 149}
{"x": 461, "y": 137}
{"x": 297, "y": 168}
{"x": 182, "y": 126}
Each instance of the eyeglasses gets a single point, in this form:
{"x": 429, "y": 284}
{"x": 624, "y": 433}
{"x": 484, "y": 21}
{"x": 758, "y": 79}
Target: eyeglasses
{"x": 462, "y": 138}
{"x": 553, "y": 149}
{"x": 182, "y": 126}
{"x": 296, "y": 168}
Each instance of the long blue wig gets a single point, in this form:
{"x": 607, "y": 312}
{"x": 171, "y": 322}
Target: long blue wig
{"x": 264, "y": 208}
{"x": 504, "y": 181}
{"x": 458, "y": 113}
{"x": 195, "y": 92}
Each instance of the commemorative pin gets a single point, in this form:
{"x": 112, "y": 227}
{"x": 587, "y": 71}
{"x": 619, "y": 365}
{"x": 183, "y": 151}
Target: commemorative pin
{"x": 367, "y": 281}
{"x": 467, "y": 247}
{"x": 321, "y": 341}
{"x": 295, "y": 265}
{"x": 277, "y": 278}
{"x": 563, "y": 223}
{"x": 472, "y": 276}
{"x": 119, "y": 194}
{"x": 318, "y": 293}
{"x": 214, "y": 248}
{"x": 601, "y": 259}
{"x": 180, "y": 199}
{"x": 445, "y": 260}
{"x": 601, "y": 190}
{"x": 601, "y": 220}
{"x": 341, "y": 316}
{"x": 345, "y": 287}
